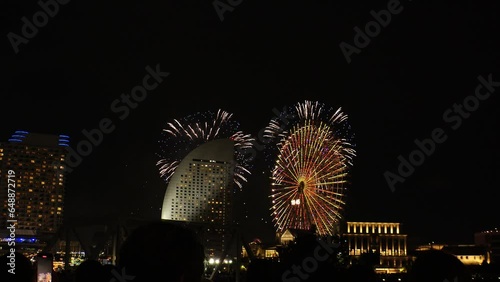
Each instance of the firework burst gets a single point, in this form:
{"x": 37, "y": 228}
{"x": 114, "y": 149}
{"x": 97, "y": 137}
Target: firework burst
{"x": 180, "y": 136}
{"x": 313, "y": 155}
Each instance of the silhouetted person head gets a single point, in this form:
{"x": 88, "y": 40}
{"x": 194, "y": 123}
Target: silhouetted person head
{"x": 437, "y": 266}
{"x": 262, "y": 270}
{"x": 162, "y": 251}
{"x": 360, "y": 272}
{"x": 90, "y": 271}
{"x": 24, "y": 270}
{"x": 110, "y": 271}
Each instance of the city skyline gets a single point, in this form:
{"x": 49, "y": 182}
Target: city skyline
{"x": 412, "y": 79}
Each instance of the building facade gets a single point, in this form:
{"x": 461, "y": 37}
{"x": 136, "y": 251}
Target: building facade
{"x": 33, "y": 165}
{"x": 201, "y": 192}
{"x": 291, "y": 234}
{"x": 467, "y": 254}
{"x": 260, "y": 250}
{"x": 382, "y": 239}
{"x": 489, "y": 239}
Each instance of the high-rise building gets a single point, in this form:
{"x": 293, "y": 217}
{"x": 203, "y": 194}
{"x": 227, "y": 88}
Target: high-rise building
{"x": 31, "y": 166}
{"x": 201, "y": 192}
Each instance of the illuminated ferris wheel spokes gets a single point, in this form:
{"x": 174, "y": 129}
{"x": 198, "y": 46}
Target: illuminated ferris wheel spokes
{"x": 311, "y": 169}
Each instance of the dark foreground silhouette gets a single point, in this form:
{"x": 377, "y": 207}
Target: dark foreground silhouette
{"x": 24, "y": 269}
{"x": 438, "y": 266}
{"x": 161, "y": 251}
{"x": 90, "y": 271}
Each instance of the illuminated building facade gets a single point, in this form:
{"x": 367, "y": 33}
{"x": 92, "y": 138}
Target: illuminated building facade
{"x": 466, "y": 253}
{"x": 260, "y": 250}
{"x": 381, "y": 238}
{"x": 469, "y": 254}
{"x": 36, "y": 160}
{"x": 290, "y": 235}
{"x": 201, "y": 192}
{"x": 489, "y": 239}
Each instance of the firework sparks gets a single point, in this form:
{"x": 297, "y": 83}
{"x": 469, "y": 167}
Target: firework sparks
{"x": 314, "y": 154}
{"x": 182, "y": 136}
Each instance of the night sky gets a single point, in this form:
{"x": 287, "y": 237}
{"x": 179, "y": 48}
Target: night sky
{"x": 264, "y": 56}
